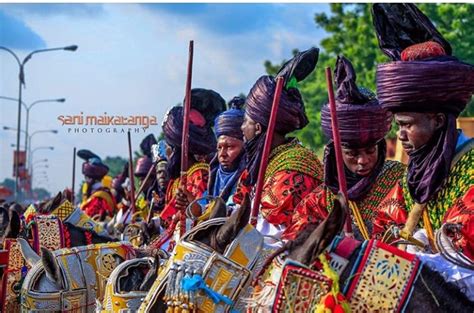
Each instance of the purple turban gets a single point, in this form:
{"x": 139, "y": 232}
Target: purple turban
{"x": 93, "y": 166}
{"x": 228, "y": 123}
{"x": 291, "y": 112}
{"x": 431, "y": 82}
{"x": 143, "y": 166}
{"x": 362, "y": 120}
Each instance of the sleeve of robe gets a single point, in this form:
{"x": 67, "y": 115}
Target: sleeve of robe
{"x": 196, "y": 184}
{"x": 311, "y": 210}
{"x": 392, "y": 211}
{"x": 282, "y": 193}
{"x": 462, "y": 213}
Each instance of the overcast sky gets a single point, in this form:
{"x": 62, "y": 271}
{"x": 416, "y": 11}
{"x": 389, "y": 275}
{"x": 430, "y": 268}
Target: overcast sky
{"x": 132, "y": 60}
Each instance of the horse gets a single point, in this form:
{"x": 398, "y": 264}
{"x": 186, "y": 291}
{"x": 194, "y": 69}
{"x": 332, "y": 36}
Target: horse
{"x": 424, "y": 289}
{"x": 70, "y": 279}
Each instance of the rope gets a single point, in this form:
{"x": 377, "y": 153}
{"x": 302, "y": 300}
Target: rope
{"x": 359, "y": 220}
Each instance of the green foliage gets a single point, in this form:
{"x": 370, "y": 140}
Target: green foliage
{"x": 351, "y": 33}
{"x": 41, "y": 194}
{"x": 115, "y": 165}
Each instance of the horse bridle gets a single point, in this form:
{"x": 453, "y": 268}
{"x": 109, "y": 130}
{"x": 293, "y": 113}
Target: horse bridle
{"x": 447, "y": 248}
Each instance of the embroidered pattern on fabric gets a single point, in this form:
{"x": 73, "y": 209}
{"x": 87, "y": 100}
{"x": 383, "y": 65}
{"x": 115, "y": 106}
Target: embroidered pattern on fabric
{"x": 460, "y": 179}
{"x": 300, "y": 289}
{"x": 383, "y": 280}
{"x": 294, "y": 157}
{"x": 390, "y": 174}
{"x": 49, "y": 232}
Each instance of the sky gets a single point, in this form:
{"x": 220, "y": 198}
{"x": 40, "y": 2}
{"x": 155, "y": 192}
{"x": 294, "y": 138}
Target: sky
{"x": 131, "y": 61}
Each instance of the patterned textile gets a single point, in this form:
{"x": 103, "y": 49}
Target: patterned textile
{"x": 452, "y": 204}
{"x": 383, "y": 280}
{"x": 48, "y": 232}
{"x": 293, "y": 171}
{"x": 196, "y": 184}
{"x": 16, "y": 269}
{"x": 315, "y": 206}
{"x": 300, "y": 289}
{"x": 83, "y": 269}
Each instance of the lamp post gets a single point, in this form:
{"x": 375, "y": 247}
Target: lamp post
{"x": 21, "y": 83}
{"x": 30, "y": 137}
{"x": 28, "y": 108}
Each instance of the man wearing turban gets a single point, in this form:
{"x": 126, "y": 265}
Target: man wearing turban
{"x": 229, "y": 162}
{"x": 363, "y": 124}
{"x": 427, "y": 88}
{"x": 97, "y": 200}
{"x": 205, "y": 105}
{"x": 293, "y": 171}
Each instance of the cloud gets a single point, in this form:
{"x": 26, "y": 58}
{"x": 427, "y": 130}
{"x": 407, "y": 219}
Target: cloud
{"x": 239, "y": 18}
{"x": 15, "y": 34}
{"x": 48, "y": 9}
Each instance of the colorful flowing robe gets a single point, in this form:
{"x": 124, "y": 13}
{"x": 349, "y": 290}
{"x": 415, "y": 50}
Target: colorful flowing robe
{"x": 315, "y": 206}
{"x": 454, "y": 203}
{"x": 101, "y": 202}
{"x": 196, "y": 184}
{"x": 293, "y": 172}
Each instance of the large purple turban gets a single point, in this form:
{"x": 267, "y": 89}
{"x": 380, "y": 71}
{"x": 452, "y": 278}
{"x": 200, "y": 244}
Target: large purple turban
{"x": 362, "y": 120}
{"x": 93, "y": 166}
{"x": 291, "y": 112}
{"x": 145, "y": 162}
{"x": 228, "y": 123}
{"x": 432, "y": 80}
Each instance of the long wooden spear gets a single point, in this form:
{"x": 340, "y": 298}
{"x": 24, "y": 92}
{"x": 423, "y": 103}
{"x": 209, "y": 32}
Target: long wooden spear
{"x": 73, "y": 174}
{"x": 185, "y": 137}
{"x": 130, "y": 175}
{"x": 341, "y": 177}
{"x": 266, "y": 151}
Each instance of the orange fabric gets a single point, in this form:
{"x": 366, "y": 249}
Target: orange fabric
{"x": 282, "y": 192}
{"x": 196, "y": 184}
{"x": 422, "y": 51}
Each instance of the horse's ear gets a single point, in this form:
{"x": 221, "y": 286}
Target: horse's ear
{"x": 234, "y": 224}
{"x": 14, "y": 224}
{"x": 323, "y": 235}
{"x": 27, "y": 252}
{"x": 51, "y": 267}
{"x": 150, "y": 277}
{"x": 219, "y": 209}
{"x": 51, "y": 205}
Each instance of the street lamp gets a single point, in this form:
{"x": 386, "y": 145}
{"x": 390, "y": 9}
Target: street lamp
{"x": 39, "y": 161}
{"x": 28, "y": 108}
{"x": 21, "y": 80}
{"x": 30, "y": 137}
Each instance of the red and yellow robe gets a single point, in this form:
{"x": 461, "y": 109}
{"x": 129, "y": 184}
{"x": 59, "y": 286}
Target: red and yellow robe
{"x": 196, "y": 184}
{"x": 101, "y": 202}
{"x": 315, "y": 206}
{"x": 454, "y": 203}
{"x": 293, "y": 171}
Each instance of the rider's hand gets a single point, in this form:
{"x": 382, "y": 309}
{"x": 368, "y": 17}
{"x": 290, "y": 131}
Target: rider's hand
{"x": 183, "y": 198}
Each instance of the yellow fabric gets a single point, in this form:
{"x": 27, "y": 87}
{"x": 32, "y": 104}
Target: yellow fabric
{"x": 107, "y": 181}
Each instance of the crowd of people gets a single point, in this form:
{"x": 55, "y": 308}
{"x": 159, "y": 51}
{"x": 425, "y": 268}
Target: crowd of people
{"x": 423, "y": 89}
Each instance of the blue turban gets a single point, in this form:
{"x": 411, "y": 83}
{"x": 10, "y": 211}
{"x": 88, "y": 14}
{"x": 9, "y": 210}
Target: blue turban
{"x": 228, "y": 123}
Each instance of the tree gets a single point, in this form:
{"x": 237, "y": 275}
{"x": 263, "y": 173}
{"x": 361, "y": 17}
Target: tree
{"x": 351, "y": 33}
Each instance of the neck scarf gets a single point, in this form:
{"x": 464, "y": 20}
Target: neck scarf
{"x": 429, "y": 165}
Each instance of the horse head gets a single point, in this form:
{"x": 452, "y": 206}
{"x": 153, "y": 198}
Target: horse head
{"x": 78, "y": 272}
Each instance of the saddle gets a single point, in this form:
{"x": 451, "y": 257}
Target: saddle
{"x": 198, "y": 278}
